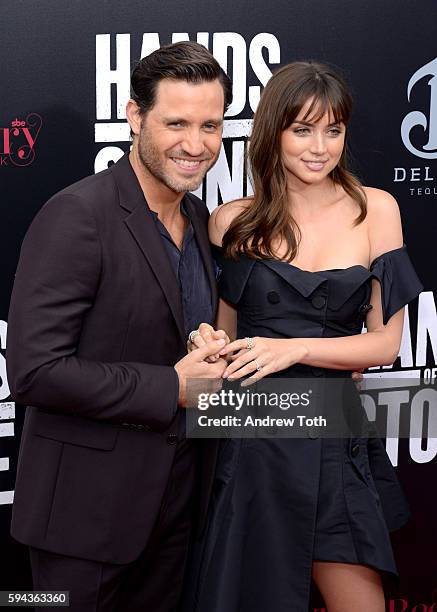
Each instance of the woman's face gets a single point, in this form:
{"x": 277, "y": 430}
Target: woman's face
{"x": 311, "y": 150}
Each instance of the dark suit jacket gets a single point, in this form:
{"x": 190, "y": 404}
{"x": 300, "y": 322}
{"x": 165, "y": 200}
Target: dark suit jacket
{"x": 95, "y": 327}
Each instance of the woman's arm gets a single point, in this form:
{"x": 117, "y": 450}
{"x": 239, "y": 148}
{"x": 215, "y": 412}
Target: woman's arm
{"x": 380, "y": 346}
{"x": 219, "y": 221}
{"x": 227, "y": 319}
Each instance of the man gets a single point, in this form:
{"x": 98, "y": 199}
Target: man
{"x": 114, "y": 272}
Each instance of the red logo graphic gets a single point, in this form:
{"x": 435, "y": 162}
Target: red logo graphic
{"x": 17, "y": 142}
{"x": 403, "y": 605}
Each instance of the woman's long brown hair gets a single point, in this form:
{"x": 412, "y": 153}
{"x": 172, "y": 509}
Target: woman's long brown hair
{"x": 268, "y": 217}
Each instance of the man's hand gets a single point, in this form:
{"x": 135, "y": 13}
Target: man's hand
{"x": 205, "y": 335}
{"x": 194, "y": 365}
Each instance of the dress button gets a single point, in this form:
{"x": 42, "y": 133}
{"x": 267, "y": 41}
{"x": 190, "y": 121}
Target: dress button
{"x": 273, "y": 297}
{"x": 172, "y": 439}
{"x": 355, "y": 450}
{"x": 318, "y": 301}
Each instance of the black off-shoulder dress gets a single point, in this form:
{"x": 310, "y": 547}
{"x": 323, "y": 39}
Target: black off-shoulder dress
{"x": 279, "y": 504}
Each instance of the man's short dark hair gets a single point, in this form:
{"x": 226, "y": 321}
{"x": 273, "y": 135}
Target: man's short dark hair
{"x": 182, "y": 61}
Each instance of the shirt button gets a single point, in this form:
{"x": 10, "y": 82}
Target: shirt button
{"x": 273, "y": 297}
{"x": 355, "y": 450}
{"x": 172, "y": 439}
{"x": 318, "y": 301}
{"x": 313, "y": 434}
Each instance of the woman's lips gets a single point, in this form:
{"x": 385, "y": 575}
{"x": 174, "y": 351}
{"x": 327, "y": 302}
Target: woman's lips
{"x": 315, "y": 166}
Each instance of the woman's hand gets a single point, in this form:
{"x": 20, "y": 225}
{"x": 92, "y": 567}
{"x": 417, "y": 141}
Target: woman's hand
{"x": 261, "y": 356}
{"x": 358, "y": 378}
{"x": 206, "y": 334}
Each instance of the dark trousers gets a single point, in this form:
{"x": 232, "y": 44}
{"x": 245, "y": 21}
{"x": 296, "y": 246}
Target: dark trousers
{"x": 153, "y": 582}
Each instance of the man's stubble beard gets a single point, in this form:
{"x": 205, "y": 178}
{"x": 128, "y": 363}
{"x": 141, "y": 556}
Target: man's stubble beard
{"x": 150, "y": 158}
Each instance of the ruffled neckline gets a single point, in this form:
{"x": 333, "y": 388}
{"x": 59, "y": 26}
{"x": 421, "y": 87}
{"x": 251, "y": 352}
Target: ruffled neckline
{"x": 393, "y": 269}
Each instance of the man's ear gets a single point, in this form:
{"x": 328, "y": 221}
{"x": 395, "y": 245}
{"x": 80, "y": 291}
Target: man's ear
{"x": 133, "y": 117}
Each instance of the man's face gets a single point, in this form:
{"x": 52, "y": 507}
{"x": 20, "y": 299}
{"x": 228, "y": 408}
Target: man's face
{"x": 179, "y": 139}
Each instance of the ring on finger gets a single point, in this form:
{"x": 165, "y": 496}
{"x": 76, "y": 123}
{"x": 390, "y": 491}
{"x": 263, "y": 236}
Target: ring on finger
{"x": 257, "y": 365}
{"x": 192, "y": 335}
{"x": 249, "y": 343}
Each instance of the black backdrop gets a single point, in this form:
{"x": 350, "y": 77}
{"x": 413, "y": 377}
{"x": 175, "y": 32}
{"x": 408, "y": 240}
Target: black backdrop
{"x": 55, "y": 83}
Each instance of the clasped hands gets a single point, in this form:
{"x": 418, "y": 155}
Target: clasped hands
{"x": 249, "y": 357}
{"x": 253, "y": 357}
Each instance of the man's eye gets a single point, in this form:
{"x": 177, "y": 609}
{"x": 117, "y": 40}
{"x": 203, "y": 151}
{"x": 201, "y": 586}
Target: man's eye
{"x": 210, "y": 126}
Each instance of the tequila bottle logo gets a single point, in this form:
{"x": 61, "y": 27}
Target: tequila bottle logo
{"x": 417, "y": 118}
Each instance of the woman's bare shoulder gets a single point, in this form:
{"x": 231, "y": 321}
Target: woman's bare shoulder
{"x": 383, "y": 220}
{"x": 222, "y": 216}
{"x": 378, "y": 199}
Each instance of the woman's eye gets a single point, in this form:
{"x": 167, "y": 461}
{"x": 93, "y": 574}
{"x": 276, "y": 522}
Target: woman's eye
{"x": 301, "y": 131}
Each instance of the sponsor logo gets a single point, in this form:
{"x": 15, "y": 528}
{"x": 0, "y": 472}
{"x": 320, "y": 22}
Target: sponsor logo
{"x": 418, "y": 118}
{"x": 17, "y": 141}
{"x": 418, "y": 126}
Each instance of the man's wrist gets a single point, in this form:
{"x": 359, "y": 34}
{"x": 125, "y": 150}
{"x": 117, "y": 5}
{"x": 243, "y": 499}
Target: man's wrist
{"x": 182, "y": 390}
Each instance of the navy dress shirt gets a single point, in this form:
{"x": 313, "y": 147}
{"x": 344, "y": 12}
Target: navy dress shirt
{"x": 188, "y": 266}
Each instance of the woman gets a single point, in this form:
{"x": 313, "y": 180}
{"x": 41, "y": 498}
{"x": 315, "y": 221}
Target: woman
{"x": 304, "y": 262}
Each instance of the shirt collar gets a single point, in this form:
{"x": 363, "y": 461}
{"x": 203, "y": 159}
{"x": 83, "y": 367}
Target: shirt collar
{"x": 189, "y": 232}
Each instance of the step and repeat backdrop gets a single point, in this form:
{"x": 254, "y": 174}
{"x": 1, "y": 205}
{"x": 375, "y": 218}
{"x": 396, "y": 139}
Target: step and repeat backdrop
{"x": 64, "y": 83}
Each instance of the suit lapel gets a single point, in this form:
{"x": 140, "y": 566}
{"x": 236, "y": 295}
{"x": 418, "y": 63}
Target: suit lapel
{"x": 201, "y": 233}
{"x": 143, "y": 228}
